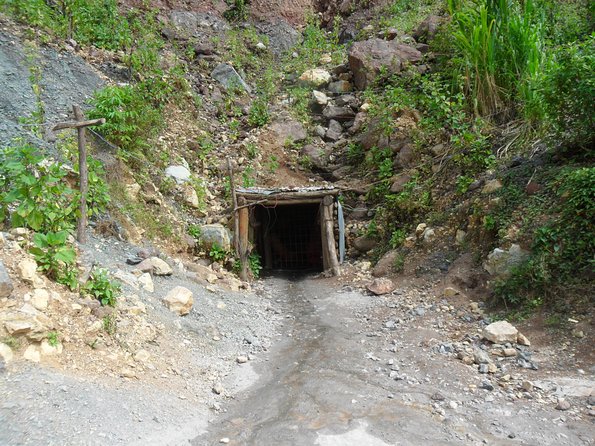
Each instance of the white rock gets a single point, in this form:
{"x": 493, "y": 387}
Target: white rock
{"x": 50, "y": 350}
{"x": 500, "y": 332}
{"x": 6, "y": 353}
{"x": 142, "y": 356}
{"x": 179, "y": 173}
{"x": 146, "y": 282}
{"x": 32, "y": 354}
{"x": 40, "y": 299}
{"x": 316, "y": 77}
{"x": 27, "y": 270}
{"x": 156, "y": 266}
{"x": 261, "y": 46}
{"x": 179, "y": 300}
{"x": 319, "y": 97}
{"x": 419, "y": 230}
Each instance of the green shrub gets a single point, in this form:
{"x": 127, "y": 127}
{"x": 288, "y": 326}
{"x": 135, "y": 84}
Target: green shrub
{"x": 217, "y": 253}
{"x": 563, "y": 251}
{"x": 55, "y": 258}
{"x": 102, "y": 288}
{"x": 237, "y": 12}
{"x": 255, "y": 264}
{"x": 569, "y": 92}
{"x": 259, "y": 116}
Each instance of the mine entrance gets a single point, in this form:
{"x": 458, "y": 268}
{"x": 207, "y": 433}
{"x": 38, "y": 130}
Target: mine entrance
{"x": 288, "y": 236}
{"x": 289, "y": 228}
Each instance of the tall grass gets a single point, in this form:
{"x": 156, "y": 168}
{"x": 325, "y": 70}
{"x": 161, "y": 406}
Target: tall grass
{"x": 501, "y": 45}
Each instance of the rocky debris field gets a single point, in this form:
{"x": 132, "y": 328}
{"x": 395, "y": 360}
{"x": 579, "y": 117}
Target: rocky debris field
{"x": 154, "y": 374}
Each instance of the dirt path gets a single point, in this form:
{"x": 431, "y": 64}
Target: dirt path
{"x": 339, "y": 376}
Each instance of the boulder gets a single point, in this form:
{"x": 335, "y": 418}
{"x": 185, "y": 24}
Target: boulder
{"x": 6, "y": 353}
{"x": 190, "y": 197}
{"x": 203, "y": 272}
{"x": 27, "y": 271}
{"x": 338, "y": 113}
{"x": 32, "y": 354}
{"x": 501, "y": 262}
{"x": 385, "y": 265}
{"x": 287, "y": 131}
{"x": 319, "y": 98}
{"x": 428, "y": 28}
{"x": 316, "y": 77}
{"x": 317, "y": 156}
{"x": 381, "y": 286}
{"x": 179, "y": 173}
{"x": 215, "y": 234}
{"x": 500, "y": 332}
{"x": 368, "y": 57}
{"x": 146, "y": 282}
{"x": 48, "y": 349}
{"x": 6, "y": 285}
{"x": 40, "y": 299}
{"x": 227, "y": 76}
{"x": 340, "y": 87}
{"x": 334, "y": 132}
{"x": 364, "y": 243}
{"x": 179, "y": 300}
{"x": 155, "y": 265}
{"x": 399, "y": 183}
{"x": 25, "y": 324}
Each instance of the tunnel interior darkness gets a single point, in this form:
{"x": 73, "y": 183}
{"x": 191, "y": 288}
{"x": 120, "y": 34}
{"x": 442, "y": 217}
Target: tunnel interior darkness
{"x": 287, "y": 237}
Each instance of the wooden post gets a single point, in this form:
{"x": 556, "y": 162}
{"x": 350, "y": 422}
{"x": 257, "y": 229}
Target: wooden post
{"x": 329, "y": 235}
{"x": 236, "y": 220}
{"x": 244, "y": 224}
{"x": 80, "y": 125}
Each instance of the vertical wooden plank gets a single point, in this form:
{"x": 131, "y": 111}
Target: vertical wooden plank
{"x": 243, "y": 225}
{"x": 329, "y": 229}
{"x": 236, "y": 222}
{"x": 324, "y": 244}
{"x": 83, "y": 177}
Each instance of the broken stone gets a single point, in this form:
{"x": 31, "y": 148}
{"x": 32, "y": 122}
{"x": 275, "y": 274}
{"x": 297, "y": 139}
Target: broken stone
{"x": 450, "y": 292}
{"x": 27, "y": 271}
{"x": 319, "y": 98}
{"x": 338, "y": 113}
{"x": 6, "y": 353}
{"x": 6, "y": 285}
{"x": 179, "y": 300}
{"x": 155, "y": 266}
{"x": 364, "y": 243}
{"x": 180, "y": 173}
{"x": 562, "y": 404}
{"x": 500, "y": 332}
{"x": 340, "y": 87}
{"x": 227, "y": 76}
{"x": 242, "y": 359}
{"x": 215, "y": 234}
{"x": 142, "y": 355}
{"x": 500, "y": 262}
{"x": 50, "y": 350}
{"x": 381, "y": 286}
{"x": 316, "y": 77}
{"x": 146, "y": 282}
{"x": 32, "y": 354}
{"x": 40, "y": 299}
{"x": 218, "y": 388}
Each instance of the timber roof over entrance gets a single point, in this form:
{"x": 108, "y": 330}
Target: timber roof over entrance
{"x": 286, "y": 194}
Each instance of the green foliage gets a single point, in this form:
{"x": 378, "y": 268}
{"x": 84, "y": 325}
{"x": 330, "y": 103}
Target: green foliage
{"x": 463, "y": 183}
{"x": 237, "y": 12}
{"x": 397, "y": 238}
{"x": 406, "y": 15}
{"x": 259, "y": 116}
{"x": 53, "y": 338}
{"x": 273, "y": 164}
{"x": 34, "y": 192}
{"x": 254, "y": 264}
{"x": 252, "y": 150}
{"x": 217, "y": 253}
{"x": 502, "y": 57}
{"x": 194, "y": 231}
{"x": 55, "y": 257}
{"x": 130, "y": 119}
{"x": 399, "y": 263}
{"x": 101, "y": 287}
{"x": 109, "y": 325}
{"x": 563, "y": 251}
{"x": 569, "y": 92}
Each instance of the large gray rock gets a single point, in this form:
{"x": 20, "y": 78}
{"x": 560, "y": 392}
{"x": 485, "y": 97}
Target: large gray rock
{"x": 156, "y": 266}
{"x": 179, "y": 173}
{"x": 179, "y": 300}
{"x": 197, "y": 23}
{"x": 282, "y": 36}
{"x": 338, "y": 113}
{"x": 501, "y": 262}
{"x": 215, "y": 234}
{"x": 381, "y": 286}
{"x": 227, "y": 76}
{"x": 385, "y": 265}
{"x": 287, "y": 131}
{"x": 6, "y": 285}
{"x": 500, "y": 332}
{"x": 318, "y": 156}
{"x": 364, "y": 244}
{"x": 367, "y": 58}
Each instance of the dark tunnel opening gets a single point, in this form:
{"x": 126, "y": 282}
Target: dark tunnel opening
{"x": 288, "y": 237}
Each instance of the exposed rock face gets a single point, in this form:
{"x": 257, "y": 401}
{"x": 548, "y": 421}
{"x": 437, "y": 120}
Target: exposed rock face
{"x": 6, "y": 285}
{"x": 500, "y": 262}
{"x": 179, "y": 300}
{"x": 385, "y": 265}
{"x": 288, "y": 131}
{"x": 227, "y": 76}
{"x": 20, "y": 323}
{"x": 155, "y": 266}
{"x": 179, "y": 173}
{"x": 381, "y": 286}
{"x": 215, "y": 234}
{"x": 368, "y": 57}
{"x": 500, "y": 332}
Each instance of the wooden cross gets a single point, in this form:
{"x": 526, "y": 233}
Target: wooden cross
{"x": 80, "y": 125}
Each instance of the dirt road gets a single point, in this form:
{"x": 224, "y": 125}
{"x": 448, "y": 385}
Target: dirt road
{"x": 340, "y": 377}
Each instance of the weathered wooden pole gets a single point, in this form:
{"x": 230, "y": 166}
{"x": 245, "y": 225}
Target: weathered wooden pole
{"x": 79, "y": 124}
{"x": 329, "y": 235}
{"x": 243, "y": 226}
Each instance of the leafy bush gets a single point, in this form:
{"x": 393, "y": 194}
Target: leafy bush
{"x": 217, "y": 253}
{"x": 255, "y": 264}
{"x": 55, "y": 258}
{"x": 569, "y": 92}
{"x": 102, "y": 288}
{"x": 34, "y": 192}
{"x": 237, "y": 12}
{"x": 259, "y": 116}
{"x": 563, "y": 251}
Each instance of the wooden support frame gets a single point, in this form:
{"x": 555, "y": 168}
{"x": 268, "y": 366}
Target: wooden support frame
{"x": 327, "y": 227}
